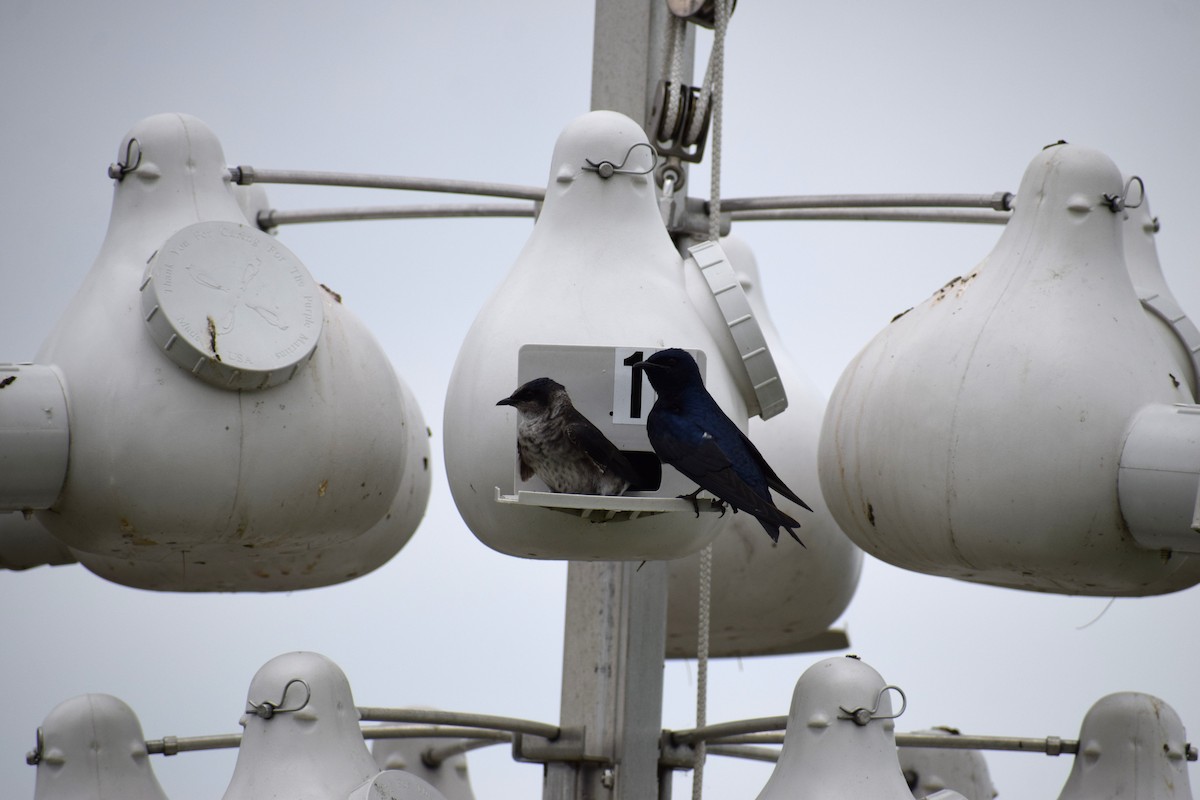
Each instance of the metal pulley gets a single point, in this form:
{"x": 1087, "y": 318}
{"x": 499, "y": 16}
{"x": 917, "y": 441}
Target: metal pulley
{"x": 685, "y": 138}
{"x": 701, "y": 12}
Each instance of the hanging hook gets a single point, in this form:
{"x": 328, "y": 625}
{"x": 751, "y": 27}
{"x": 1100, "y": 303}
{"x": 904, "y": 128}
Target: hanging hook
{"x": 1120, "y": 202}
{"x": 863, "y": 716}
{"x": 133, "y": 157}
{"x": 34, "y": 756}
{"x": 266, "y": 709}
{"x": 607, "y": 169}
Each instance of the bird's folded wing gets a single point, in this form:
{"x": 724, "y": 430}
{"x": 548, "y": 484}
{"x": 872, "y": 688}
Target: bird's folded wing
{"x": 773, "y": 480}
{"x": 526, "y": 470}
{"x": 603, "y": 452}
{"x": 704, "y": 462}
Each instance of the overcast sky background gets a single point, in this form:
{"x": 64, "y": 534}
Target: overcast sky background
{"x": 923, "y": 96}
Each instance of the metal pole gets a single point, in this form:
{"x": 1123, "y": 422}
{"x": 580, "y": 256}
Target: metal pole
{"x": 432, "y": 716}
{"x": 246, "y": 175}
{"x": 997, "y": 201}
{"x": 273, "y": 218}
{"x": 614, "y": 645}
{"x": 616, "y": 614}
{"x": 968, "y": 216}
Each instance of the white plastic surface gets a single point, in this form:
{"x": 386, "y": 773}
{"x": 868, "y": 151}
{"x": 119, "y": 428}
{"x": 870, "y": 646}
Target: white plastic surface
{"x": 395, "y": 785}
{"x": 34, "y": 436}
{"x": 597, "y": 508}
{"x": 25, "y": 543}
{"x": 253, "y": 201}
{"x": 598, "y": 271}
{"x": 1170, "y": 324}
{"x": 837, "y": 759}
{"x": 1132, "y": 746}
{"x": 931, "y": 770}
{"x": 232, "y": 306}
{"x": 314, "y": 752}
{"x": 755, "y": 363}
{"x": 450, "y": 777}
{"x": 1159, "y": 479}
{"x": 92, "y": 748}
{"x": 175, "y": 484}
{"x": 978, "y": 436}
{"x": 769, "y": 598}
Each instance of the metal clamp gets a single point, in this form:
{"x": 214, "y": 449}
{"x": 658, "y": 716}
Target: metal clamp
{"x": 607, "y": 169}
{"x": 34, "y": 756}
{"x": 133, "y": 157}
{"x": 1121, "y": 202}
{"x": 266, "y": 709}
{"x": 568, "y": 747}
{"x": 863, "y": 716}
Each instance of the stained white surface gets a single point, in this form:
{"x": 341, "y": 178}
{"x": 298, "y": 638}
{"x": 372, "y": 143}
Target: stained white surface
{"x": 924, "y": 96}
{"x": 979, "y": 435}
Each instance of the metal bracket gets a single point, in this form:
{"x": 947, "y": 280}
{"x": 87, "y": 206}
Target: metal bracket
{"x": 688, "y": 216}
{"x": 673, "y": 754}
{"x": 532, "y": 749}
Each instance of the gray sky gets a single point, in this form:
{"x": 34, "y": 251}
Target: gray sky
{"x": 820, "y": 98}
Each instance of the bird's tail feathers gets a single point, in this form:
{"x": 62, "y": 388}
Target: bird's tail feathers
{"x": 775, "y": 483}
{"x": 772, "y": 522}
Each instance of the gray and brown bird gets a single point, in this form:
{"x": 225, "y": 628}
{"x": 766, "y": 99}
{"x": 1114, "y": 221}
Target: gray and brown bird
{"x": 561, "y": 446}
{"x": 689, "y": 431}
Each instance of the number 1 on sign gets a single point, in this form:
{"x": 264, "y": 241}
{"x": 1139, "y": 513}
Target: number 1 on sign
{"x": 632, "y": 395}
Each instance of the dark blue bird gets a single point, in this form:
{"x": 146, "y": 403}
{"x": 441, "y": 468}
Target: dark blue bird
{"x": 561, "y": 446}
{"x": 690, "y": 432}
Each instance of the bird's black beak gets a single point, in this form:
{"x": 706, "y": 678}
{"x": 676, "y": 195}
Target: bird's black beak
{"x": 508, "y": 401}
{"x": 648, "y": 365}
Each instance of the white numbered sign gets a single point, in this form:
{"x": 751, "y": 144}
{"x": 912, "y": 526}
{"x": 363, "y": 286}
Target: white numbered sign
{"x": 632, "y": 396}
{"x": 603, "y": 385}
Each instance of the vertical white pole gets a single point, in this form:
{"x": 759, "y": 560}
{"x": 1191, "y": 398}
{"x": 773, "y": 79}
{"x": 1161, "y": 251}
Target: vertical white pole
{"x": 616, "y": 615}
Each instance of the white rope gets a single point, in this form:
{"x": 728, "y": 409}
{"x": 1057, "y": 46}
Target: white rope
{"x": 676, "y": 35}
{"x": 713, "y": 85}
{"x": 702, "y": 667}
{"x": 692, "y": 133}
{"x": 716, "y": 64}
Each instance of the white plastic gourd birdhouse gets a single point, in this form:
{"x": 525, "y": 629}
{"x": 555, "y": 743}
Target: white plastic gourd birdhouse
{"x": 232, "y": 425}
{"x": 302, "y": 738}
{"x": 840, "y": 742}
{"x": 933, "y": 769}
{"x": 771, "y": 598}
{"x": 91, "y": 747}
{"x": 429, "y": 758}
{"x": 979, "y": 435}
{"x": 598, "y": 287}
{"x": 1132, "y": 746}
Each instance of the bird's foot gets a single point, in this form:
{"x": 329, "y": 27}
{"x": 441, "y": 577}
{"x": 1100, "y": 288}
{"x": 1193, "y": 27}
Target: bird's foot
{"x": 695, "y": 502}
